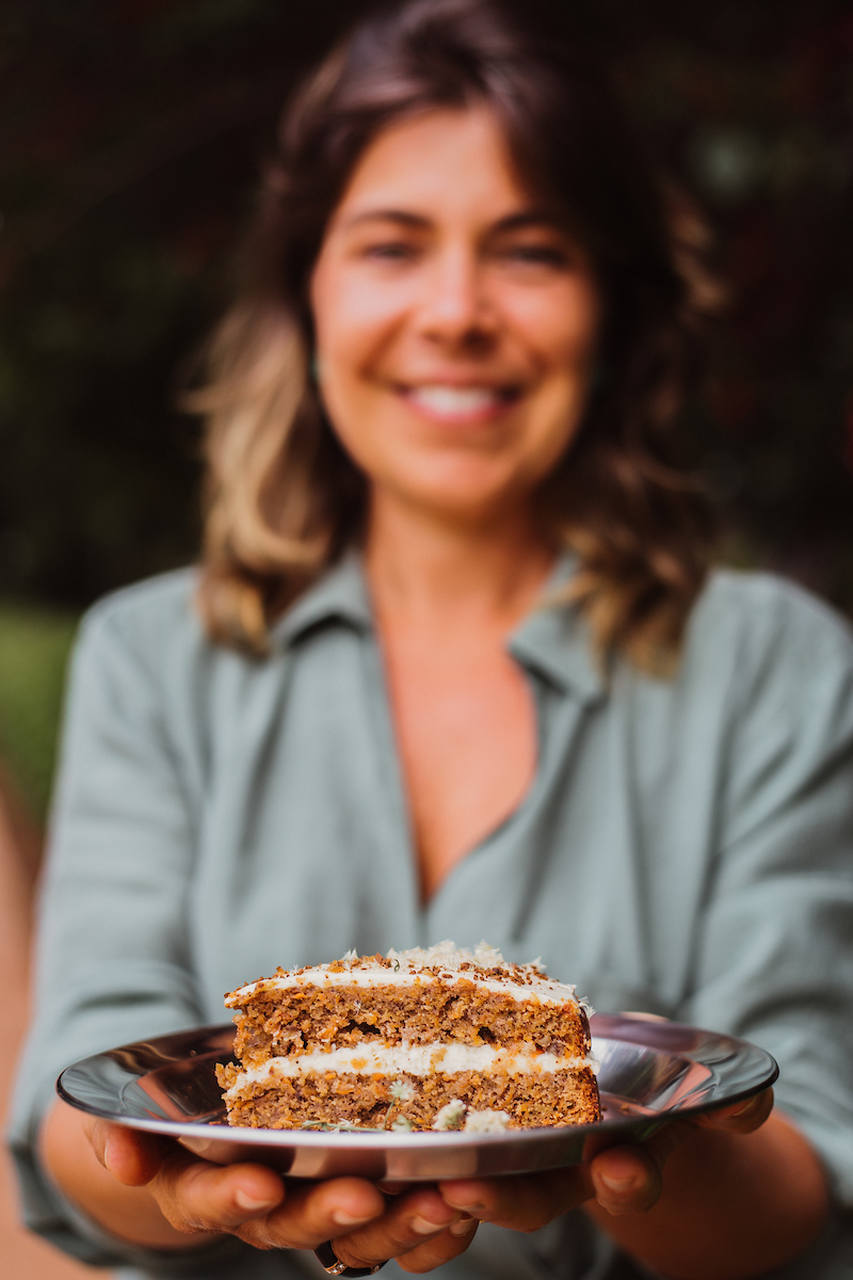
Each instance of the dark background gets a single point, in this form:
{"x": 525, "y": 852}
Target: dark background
{"x": 131, "y": 134}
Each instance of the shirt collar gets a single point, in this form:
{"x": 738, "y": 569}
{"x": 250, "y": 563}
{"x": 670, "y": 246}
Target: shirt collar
{"x": 552, "y": 642}
{"x": 339, "y": 595}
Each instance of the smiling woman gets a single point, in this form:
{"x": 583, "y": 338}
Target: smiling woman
{"x": 556, "y": 261}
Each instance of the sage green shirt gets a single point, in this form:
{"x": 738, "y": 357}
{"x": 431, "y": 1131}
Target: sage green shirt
{"x": 685, "y": 848}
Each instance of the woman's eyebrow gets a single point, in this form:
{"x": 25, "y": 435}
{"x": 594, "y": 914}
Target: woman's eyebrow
{"x": 518, "y": 221}
{"x": 403, "y": 217}
{"x": 535, "y": 218}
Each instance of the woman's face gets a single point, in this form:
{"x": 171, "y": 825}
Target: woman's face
{"x": 455, "y": 320}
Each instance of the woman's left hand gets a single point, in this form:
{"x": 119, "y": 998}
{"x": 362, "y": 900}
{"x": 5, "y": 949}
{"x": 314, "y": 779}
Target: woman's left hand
{"x": 619, "y": 1179}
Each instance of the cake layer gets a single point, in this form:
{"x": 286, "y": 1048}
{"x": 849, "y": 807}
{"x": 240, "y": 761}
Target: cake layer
{"x": 409, "y": 1101}
{"x": 301, "y": 1019}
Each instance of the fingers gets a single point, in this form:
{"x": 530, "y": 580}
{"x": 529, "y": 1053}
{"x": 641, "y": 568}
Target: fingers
{"x": 626, "y": 1179}
{"x": 742, "y": 1118}
{"x": 196, "y": 1196}
{"x": 440, "y": 1248}
{"x": 192, "y": 1194}
{"x": 312, "y": 1213}
{"x": 621, "y": 1179}
{"x": 133, "y": 1158}
{"x": 418, "y": 1229}
{"x": 522, "y": 1203}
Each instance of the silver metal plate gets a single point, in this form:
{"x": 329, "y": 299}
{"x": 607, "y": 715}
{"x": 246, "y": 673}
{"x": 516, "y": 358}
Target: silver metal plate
{"x": 651, "y": 1071}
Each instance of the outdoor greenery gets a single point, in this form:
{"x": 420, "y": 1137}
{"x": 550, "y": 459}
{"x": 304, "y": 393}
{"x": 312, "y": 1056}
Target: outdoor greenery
{"x": 34, "y": 645}
{"x": 131, "y": 135}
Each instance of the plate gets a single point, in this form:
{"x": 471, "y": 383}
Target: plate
{"x": 650, "y": 1072}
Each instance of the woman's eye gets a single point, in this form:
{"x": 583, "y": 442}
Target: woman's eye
{"x": 536, "y": 255}
{"x": 390, "y": 251}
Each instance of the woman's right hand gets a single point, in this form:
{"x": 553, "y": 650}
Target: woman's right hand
{"x": 199, "y": 1200}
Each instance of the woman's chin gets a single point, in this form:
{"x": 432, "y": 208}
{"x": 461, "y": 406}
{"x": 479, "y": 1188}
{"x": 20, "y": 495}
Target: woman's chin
{"x": 460, "y": 503}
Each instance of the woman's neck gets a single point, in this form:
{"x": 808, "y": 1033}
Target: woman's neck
{"x": 422, "y": 570}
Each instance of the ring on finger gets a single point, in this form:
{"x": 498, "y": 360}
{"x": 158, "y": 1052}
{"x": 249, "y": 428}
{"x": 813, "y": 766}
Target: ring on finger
{"x": 332, "y": 1265}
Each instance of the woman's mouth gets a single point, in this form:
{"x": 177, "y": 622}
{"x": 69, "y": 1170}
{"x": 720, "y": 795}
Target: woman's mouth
{"x": 448, "y": 403}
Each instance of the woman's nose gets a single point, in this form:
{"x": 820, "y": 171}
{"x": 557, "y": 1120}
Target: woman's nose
{"x": 455, "y": 304}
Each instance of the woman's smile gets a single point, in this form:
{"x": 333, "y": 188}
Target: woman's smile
{"x": 444, "y": 401}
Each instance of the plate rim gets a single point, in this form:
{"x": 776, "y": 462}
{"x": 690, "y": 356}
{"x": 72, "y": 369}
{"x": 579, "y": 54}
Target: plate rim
{"x": 631, "y": 1028}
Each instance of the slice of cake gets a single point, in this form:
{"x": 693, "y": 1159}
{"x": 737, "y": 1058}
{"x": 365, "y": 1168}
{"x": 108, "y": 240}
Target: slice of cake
{"x": 440, "y": 1038}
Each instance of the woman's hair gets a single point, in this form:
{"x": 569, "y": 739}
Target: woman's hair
{"x": 284, "y": 500}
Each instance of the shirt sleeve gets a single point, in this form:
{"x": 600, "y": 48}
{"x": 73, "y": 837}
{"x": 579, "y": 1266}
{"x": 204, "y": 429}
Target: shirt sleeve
{"x": 112, "y": 963}
{"x": 775, "y": 955}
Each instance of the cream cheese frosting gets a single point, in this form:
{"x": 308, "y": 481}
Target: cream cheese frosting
{"x": 404, "y": 969}
{"x": 416, "y": 1060}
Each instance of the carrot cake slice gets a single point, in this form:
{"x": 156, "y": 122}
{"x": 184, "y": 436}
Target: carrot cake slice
{"x": 429, "y": 1038}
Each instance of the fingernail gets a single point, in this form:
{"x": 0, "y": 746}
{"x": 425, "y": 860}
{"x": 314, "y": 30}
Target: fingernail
{"x": 251, "y": 1203}
{"x": 619, "y": 1184}
{"x": 343, "y": 1219}
{"x": 742, "y": 1109}
{"x": 463, "y": 1227}
{"x": 472, "y": 1207}
{"x": 108, "y": 1153}
{"x": 422, "y": 1227}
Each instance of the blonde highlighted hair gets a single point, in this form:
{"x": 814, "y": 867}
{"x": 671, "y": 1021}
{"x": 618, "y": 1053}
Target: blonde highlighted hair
{"x": 283, "y": 500}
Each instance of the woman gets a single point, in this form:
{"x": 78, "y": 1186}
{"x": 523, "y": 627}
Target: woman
{"x": 452, "y": 666}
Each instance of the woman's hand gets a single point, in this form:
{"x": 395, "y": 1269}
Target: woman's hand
{"x": 733, "y": 1193}
{"x": 619, "y": 1179}
{"x": 199, "y": 1200}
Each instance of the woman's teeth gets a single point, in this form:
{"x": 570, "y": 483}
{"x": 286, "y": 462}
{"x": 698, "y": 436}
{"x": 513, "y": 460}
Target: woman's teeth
{"x": 457, "y": 400}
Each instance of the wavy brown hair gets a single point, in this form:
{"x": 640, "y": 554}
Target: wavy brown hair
{"x": 284, "y": 500}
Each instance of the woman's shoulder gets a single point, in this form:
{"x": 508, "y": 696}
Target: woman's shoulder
{"x": 164, "y": 595}
{"x": 766, "y": 609}
{"x": 768, "y": 631}
{"x": 148, "y": 619}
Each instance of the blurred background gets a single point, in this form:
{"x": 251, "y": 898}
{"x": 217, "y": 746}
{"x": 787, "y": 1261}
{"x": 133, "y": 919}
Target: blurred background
{"x": 131, "y": 135}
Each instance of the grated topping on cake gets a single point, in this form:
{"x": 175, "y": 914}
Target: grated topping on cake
{"x": 483, "y": 965}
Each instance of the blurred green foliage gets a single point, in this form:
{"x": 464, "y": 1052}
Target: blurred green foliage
{"x": 131, "y": 136}
{"x": 34, "y": 645}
